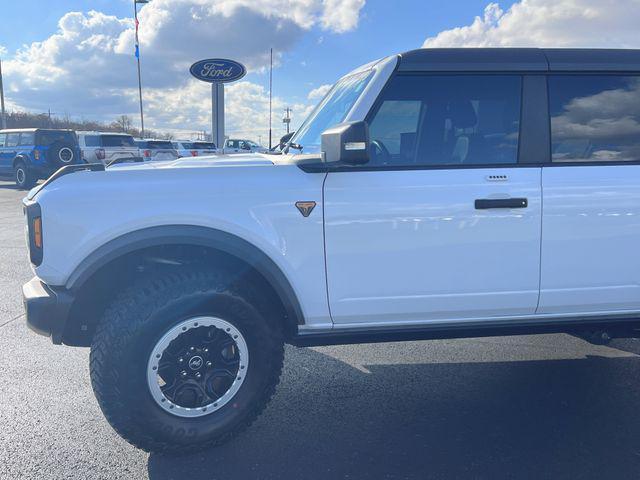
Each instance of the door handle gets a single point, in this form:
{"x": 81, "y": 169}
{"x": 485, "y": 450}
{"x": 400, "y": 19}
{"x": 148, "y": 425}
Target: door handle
{"x": 487, "y": 203}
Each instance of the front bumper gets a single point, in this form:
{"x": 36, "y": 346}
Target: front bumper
{"x": 47, "y": 308}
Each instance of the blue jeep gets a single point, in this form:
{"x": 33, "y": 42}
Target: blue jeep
{"x": 29, "y": 154}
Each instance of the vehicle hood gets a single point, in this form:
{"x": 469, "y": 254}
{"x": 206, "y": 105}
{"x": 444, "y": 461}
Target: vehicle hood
{"x": 242, "y": 160}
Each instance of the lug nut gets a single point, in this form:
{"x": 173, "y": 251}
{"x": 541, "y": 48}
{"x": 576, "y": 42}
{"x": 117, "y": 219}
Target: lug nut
{"x": 180, "y": 360}
{"x": 198, "y": 374}
{"x": 183, "y": 373}
{"x": 192, "y": 349}
{"x": 206, "y": 350}
{"x": 209, "y": 364}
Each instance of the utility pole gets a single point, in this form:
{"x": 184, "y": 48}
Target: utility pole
{"x": 3, "y": 114}
{"x": 135, "y": 13}
{"x": 287, "y": 118}
{"x": 270, "y": 92}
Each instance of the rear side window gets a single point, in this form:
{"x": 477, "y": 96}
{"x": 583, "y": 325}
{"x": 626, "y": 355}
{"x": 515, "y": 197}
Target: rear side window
{"x": 2, "y": 139}
{"x": 27, "y": 139}
{"x": 13, "y": 139}
{"x": 117, "y": 141}
{"x": 92, "y": 140}
{"x": 203, "y": 145}
{"x": 431, "y": 120}
{"x": 594, "y": 118}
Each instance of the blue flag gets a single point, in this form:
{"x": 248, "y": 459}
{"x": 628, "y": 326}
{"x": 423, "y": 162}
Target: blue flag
{"x": 137, "y": 51}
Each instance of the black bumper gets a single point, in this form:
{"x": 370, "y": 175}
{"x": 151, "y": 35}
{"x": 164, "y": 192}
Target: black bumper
{"x": 47, "y": 308}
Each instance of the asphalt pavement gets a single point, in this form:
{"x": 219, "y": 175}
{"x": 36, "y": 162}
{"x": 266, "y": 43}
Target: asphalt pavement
{"x": 545, "y": 406}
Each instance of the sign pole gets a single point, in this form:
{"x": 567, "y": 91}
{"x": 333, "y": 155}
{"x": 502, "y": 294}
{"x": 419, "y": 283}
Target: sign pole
{"x": 217, "y": 114}
{"x": 217, "y": 71}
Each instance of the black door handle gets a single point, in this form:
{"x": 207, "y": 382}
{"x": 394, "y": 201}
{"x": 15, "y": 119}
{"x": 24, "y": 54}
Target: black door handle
{"x": 486, "y": 203}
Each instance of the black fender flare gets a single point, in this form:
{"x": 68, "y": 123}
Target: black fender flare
{"x": 197, "y": 236}
{"x": 21, "y": 157}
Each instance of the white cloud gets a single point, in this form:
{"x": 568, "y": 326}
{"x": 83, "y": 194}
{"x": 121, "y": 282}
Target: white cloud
{"x": 318, "y": 93}
{"x": 549, "y": 23}
{"x": 3, "y": 50}
{"x": 183, "y": 111}
{"x": 88, "y": 68}
{"x": 341, "y": 15}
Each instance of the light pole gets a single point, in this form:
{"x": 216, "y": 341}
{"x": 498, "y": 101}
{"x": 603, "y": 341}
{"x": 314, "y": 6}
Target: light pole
{"x": 2, "y": 112}
{"x": 135, "y": 13}
{"x": 287, "y": 118}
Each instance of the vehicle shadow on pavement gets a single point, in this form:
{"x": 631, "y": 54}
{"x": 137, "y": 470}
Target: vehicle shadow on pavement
{"x": 521, "y": 419}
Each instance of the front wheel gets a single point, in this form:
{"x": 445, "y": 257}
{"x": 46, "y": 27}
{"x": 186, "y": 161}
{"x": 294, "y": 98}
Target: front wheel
{"x": 184, "y": 361}
{"x": 24, "y": 178}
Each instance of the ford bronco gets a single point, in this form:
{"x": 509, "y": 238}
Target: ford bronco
{"x": 439, "y": 193}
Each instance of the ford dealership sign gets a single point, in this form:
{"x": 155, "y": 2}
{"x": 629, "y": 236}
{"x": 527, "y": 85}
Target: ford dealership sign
{"x": 214, "y": 70}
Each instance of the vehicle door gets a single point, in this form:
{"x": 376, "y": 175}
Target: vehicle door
{"x": 443, "y": 223}
{"x": 8, "y": 153}
{"x": 591, "y": 220}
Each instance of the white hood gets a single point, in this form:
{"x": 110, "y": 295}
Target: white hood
{"x": 241, "y": 160}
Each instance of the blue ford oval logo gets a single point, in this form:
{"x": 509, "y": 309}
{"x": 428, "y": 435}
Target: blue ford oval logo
{"x": 215, "y": 70}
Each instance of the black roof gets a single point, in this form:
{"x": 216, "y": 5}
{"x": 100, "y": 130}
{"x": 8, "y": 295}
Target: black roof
{"x": 520, "y": 59}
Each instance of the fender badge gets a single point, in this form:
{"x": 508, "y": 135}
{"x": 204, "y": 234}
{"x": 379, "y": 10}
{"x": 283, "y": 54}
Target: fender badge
{"x": 305, "y": 208}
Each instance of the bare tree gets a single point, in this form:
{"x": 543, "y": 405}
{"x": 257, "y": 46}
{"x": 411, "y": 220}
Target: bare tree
{"x": 123, "y": 123}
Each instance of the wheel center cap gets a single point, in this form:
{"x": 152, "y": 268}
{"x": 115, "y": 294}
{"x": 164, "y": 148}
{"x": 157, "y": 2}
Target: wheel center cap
{"x": 195, "y": 362}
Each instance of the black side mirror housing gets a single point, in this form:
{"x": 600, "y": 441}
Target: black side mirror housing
{"x": 346, "y": 143}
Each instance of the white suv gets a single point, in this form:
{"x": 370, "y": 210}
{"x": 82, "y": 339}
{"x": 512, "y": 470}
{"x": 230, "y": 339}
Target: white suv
{"x": 234, "y": 145}
{"x": 191, "y": 148}
{"x": 432, "y": 194}
{"x": 107, "y": 147}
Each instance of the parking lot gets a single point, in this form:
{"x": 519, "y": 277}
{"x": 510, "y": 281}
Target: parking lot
{"x": 518, "y": 407}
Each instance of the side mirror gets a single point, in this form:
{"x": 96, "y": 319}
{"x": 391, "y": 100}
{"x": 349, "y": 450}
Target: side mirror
{"x": 346, "y": 143}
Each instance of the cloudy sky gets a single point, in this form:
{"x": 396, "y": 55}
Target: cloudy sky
{"x": 76, "y": 57}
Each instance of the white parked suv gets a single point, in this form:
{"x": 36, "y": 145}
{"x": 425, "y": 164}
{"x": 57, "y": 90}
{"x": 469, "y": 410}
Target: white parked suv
{"x": 191, "y": 148}
{"x": 432, "y": 194}
{"x": 155, "y": 150}
{"x": 234, "y": 145}
{"x": 107, "y": 147}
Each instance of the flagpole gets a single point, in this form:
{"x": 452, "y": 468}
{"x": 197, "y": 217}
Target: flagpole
{"x": 135, "y": 12}
{"x": 270, "y": 89}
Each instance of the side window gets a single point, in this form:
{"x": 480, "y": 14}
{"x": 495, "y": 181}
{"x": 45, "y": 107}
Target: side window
{"x": 425, "y": 120}
{"x": 2, "y": 138}
{"x": 594, "y": 118}
{"x": 92, "y": 140}
{"x": 27, "y": 139}
{"x": 13, "y": 139}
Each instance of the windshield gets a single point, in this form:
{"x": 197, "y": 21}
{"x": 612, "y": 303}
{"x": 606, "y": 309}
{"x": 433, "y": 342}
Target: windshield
{"x": 332, "y": 110}
{"x": 48, "y": 137}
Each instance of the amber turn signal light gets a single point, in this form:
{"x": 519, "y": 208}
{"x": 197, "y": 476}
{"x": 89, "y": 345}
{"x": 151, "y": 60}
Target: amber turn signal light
{"x": 37, "y": 232}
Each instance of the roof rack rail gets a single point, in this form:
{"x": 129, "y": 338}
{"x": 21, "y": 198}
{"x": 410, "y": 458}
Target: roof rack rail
{"x": 66, "y": 170}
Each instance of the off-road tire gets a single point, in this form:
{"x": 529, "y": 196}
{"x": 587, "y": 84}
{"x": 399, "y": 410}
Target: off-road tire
{"x": 139, "y": 316}
{"x": 24, "y": 178}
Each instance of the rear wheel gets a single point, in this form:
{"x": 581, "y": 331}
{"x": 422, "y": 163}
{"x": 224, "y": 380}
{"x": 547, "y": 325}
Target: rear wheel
{"x": 24, "y": 178}
{"x": 185, "y": 361}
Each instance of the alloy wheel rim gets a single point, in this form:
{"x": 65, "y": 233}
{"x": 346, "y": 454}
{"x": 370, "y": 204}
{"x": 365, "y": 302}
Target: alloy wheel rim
{"x": 20, "y": 176}
{"x": 197, "y": 367}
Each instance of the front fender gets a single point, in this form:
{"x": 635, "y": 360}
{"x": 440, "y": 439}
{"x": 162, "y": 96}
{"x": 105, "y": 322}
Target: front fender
{"x": 190, "y": 235}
